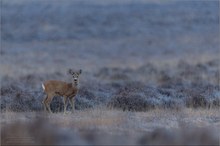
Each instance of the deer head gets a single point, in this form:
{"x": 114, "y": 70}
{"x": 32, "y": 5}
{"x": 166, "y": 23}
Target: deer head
{"x": 75, "y": 76}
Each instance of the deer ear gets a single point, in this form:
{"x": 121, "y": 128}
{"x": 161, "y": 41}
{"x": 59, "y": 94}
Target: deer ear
{"x": 70, "y": 71}
{"x": 80, "y": 71}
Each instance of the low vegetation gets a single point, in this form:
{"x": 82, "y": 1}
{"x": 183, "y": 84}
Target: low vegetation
{"x": 170, "y": 90}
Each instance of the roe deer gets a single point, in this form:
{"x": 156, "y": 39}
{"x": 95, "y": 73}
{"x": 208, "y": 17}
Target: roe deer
{"x": 66, "y": 90}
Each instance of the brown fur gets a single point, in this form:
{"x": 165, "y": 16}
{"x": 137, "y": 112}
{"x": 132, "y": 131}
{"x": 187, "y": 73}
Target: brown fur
{"x": 61, "y": 88}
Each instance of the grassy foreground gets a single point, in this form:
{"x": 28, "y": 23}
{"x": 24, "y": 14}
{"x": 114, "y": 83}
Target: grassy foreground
{"x": 105, "y": 126}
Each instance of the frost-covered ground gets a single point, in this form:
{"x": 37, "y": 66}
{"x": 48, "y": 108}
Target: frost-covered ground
{"x": 147, "y": 64}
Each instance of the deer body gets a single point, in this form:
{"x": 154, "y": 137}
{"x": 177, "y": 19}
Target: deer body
{"x": 60, "y": 88}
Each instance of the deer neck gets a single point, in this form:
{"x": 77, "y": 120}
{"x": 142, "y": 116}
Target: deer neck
{"x": 76, "y": 85}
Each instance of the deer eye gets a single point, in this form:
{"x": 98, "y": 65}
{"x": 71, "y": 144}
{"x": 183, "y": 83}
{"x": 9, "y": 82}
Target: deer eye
{"x": 75, "y": 75}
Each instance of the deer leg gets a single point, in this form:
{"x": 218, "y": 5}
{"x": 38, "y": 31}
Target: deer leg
{"x": 65, "y": 103}
{"x": 44, "y": 102}
{"x": 72, "y": 102}
{"x": 48, "y": 101}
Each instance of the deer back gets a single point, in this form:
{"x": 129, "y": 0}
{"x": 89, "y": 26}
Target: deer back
{"x": 59, "y": 87}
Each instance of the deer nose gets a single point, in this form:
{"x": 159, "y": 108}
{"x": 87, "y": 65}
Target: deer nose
{"x": 75, "y": 80}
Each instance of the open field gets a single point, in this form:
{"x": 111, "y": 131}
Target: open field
{"x": 151, "y": 71}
